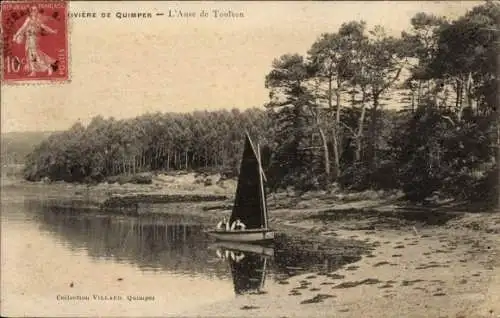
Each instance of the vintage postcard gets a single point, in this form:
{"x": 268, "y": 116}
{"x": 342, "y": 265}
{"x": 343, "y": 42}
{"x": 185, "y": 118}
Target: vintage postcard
{"x": 249, "y": 159}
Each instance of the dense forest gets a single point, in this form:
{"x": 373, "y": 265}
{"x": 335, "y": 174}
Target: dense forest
{"x": 329, "y": 118}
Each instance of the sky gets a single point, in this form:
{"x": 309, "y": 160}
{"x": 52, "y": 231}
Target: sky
{"x": 127, "y": 67}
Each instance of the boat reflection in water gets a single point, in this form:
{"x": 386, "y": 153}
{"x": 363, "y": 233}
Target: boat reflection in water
{"x": 248, "y": 265}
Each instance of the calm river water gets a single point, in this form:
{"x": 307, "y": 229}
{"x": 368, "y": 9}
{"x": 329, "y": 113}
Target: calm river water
{"x": 75, "y": 264}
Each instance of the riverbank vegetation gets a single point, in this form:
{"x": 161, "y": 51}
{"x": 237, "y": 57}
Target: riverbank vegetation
{"x": 361, "y": 110}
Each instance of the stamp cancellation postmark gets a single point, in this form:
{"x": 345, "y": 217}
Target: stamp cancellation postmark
{"x": 35, "y": 41}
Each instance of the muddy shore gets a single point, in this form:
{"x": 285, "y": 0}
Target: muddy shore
{"x": 410, "y": 269}
{"x": 419, "y": 262}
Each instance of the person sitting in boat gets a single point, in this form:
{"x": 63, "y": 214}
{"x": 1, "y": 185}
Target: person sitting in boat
{"x": 238, "y": 256}
{"x": 219, "y": 253}
{"x": 238, "y": 225}
{"x": 222, "y": 254}
{"x": 223, "y": 225}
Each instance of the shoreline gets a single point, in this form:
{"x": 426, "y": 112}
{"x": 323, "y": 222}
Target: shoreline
{"x": 450, "y": 270}
{"x": 419, "y": 262}
{"x": 393, "y": 281}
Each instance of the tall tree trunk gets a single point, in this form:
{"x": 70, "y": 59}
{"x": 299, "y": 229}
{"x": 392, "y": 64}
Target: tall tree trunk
{"x": 336, "y": 133}
{"x": 361, "y": 123}
{"x": 372, "y": 130}
{"x": 457, "y": 91}
{"x": 413, "y": 101}
{"x": 325, "y": 151}
{"x": 335, "y": 129}
{"x": 460, "y": 96}
{"x": 468, "y": 91}
{"x": 155, "y": 158}
{"x": 419, "y": 94}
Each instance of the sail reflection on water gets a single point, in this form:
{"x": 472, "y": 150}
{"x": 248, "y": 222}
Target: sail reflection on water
{"x": 249, "y": 272}
{"x": 248, "y": 269}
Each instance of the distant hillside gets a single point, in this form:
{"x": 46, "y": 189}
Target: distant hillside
{"x": 16, "y": 145}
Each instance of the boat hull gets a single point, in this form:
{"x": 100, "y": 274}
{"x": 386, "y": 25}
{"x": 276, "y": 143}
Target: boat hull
{"x": 243, "y": 235}
{"x": 262, "y": 250}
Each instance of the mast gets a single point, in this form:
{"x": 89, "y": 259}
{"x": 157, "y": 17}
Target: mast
{"x": 262, "y": 192}
{"x": 262, "y": 281}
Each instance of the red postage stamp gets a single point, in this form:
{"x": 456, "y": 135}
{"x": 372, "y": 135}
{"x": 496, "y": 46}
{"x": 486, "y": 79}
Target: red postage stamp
{"x": 35, "y": 41}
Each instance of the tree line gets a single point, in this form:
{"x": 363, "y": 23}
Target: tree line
{"x": 160, "y": 141}
{"x": 329, "y": 120}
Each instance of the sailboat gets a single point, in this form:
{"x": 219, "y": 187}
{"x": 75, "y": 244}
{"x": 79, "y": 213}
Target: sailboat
{"x": 250, "y": 206}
